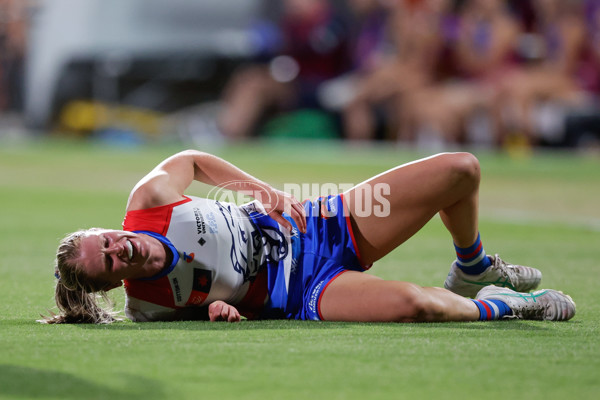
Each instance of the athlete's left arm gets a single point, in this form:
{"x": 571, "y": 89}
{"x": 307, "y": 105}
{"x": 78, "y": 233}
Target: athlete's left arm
{"x": 221, "y": 311}
{"x": 168, "y": 182}
{"x": 216, "y": 311}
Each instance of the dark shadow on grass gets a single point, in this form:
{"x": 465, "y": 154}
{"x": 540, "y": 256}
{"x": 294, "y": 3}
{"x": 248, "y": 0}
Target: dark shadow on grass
{"x": 222, "y": 326}
{"x": 505, "y": 325}
{"x": 25, "y": 382}
{"x": 511, "y": 325}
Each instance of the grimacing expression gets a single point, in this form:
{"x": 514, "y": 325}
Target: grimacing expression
{"x": 110, "y": 256}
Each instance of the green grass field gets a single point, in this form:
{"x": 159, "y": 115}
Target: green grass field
{"x": 542, "y": 211}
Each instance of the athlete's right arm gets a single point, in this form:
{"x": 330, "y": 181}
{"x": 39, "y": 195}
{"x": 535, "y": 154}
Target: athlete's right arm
{"x": 167, "y": 183}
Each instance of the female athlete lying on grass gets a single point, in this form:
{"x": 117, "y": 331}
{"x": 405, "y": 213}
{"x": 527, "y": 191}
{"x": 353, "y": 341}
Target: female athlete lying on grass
{"x": 183, "y": 257}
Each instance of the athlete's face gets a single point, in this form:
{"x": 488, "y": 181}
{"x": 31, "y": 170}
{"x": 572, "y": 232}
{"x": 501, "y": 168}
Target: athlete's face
{"x": 110, "y": 256}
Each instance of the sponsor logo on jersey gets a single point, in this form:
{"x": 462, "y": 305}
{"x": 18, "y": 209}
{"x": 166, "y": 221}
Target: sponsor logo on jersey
{"x": 188, "y": 257}
{"x": 314, "y": 297}
{"x": 201, "y": 286}
{"x": 200, "y": 225}
{"x": 211, "y": 220}
{"x": 177, "y": 289}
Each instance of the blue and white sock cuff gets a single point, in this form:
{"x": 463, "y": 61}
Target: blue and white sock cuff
{"x": 487, "y": 310}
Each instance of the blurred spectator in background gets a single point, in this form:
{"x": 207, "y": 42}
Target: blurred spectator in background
{"x": 536, "y": 98}
{"x": 481, "y": 42}
{"x": 582, "y": 127}
{"x": 396, "y": 50}
{"x": 430, "y": 72}
{"x": 313, "y": 49}
{"x": 13, "y": 24}
{"x": 592, "y": 12}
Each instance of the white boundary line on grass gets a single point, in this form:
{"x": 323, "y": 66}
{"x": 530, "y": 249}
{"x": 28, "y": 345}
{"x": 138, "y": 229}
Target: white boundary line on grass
{"x": 528, "y": 217}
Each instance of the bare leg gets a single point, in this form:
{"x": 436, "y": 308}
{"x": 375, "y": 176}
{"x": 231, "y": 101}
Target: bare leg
{"x": 249, "y": 94}
{"x": 355, "y": 296}
{"x": 447, "y": 183}
{"x": 359, "y": 121}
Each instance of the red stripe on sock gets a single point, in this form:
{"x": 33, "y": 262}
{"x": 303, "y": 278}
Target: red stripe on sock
{"x": 471, "y": 255}
{"x": 488, "y": 310}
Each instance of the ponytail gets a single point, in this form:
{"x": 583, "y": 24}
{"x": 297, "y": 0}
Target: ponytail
{"x": 76, "y": 306}
{"x": 77, "y": 298}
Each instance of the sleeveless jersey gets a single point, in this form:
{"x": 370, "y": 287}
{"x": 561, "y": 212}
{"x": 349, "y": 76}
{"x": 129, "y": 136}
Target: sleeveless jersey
{"x": 219, "y": 253}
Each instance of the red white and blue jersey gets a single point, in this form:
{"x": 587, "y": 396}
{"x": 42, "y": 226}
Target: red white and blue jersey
{"x": 219, "y": 253}
{"x": 240, "y": 255}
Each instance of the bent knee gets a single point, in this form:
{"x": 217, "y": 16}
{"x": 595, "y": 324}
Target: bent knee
{"x": 466, "y": 165}
{"x": 463, "y": 168}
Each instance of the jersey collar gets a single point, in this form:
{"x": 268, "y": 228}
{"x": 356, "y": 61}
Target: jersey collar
{"x": 165, "y": 271}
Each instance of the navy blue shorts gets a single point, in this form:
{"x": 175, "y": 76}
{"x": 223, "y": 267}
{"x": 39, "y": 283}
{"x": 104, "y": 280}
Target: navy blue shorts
{"x": 328, "y": 249}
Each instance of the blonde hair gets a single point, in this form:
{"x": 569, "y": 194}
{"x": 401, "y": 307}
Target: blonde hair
{"x": 76, "y": 295}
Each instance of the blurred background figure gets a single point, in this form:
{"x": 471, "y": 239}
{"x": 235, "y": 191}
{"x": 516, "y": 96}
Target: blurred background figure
{"x": 582, "y": 126}
{"x": 427, "y": 73}
{"x": 480, "y": 44}
{"x": 13, "y": 28}
{"x": 554, "y": 81}
{"x": 312, "y": 49}
{"x": 396, "y": 50}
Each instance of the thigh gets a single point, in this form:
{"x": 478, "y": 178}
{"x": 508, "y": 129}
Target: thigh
{"x": 360, "y": 297}
{"x": 389, "y": 208}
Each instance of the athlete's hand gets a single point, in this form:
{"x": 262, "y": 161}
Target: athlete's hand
{"x": 221, "y": 311}
{"x": 280, "y": 202}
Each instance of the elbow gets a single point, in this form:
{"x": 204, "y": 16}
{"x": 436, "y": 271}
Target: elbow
{"x": 191, "y": 157}
{"x": 191, "y": 153}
